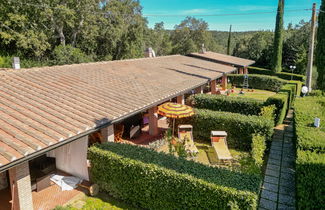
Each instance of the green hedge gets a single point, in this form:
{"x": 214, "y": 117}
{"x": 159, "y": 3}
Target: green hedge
{"x": 248, "y": 106}
{"x": 154, "y": 180}
{"x": 282, "y": 75}
{"x": 298, "y": 87}
{"x": 310, "y": 173}
{"x": 310, "y": 163}
{"x": 269, "y": 112}
{"x": 256, "y": 81}
{"x": 280, "y": 101}
{"x": 291, "y": 90}
{"x": 317, "y": 93}
{"x": 240, "y": 128}
{"x": 309, "y": 137}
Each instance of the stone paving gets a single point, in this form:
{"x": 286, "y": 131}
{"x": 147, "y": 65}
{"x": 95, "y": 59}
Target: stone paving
{"x": 278, "y": 190}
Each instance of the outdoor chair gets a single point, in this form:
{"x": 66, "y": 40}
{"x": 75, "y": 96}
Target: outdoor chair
{"x": 185, "y": 133}
{"x": 219, "y": 144}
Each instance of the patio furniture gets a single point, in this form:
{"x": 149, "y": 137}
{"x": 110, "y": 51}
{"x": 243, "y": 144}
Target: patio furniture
{"x": 175, "y": 111}
{"x": 219, "y": 144}
{"x": 185, "y": 133}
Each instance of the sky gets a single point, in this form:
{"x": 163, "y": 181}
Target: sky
{"x": 172, "y": 12}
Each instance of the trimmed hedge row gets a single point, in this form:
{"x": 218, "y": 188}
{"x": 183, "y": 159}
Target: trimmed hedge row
{"x": 280, "y": 101}
{"x": 240, "y": 128}
{"x": 256, "y": 81}
{"x": 247, "y": 106}
{"x": 310, "y": 163}
{"x": 310, "y": 173}
{"x": 282, "y": 75}
{"x": 309, "y": 137}
{"x": 159, "y": 181}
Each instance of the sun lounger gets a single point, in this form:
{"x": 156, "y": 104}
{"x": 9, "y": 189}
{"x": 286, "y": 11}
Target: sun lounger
{"x": 219, "y": 144}
{"x": 185, "y": 133}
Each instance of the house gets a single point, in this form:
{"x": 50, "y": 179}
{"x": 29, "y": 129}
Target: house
{"x": 48, "y": 114}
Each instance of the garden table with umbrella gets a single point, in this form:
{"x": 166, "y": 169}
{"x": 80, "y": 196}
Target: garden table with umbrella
{"x": 175, "y": 111}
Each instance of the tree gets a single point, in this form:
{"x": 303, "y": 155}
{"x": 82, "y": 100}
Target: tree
{"x": 122, "y": 30}
{"x": 159, "y": 39}
{"x": 189, "y": 36}
{"x": 320, "y": 49}
{"x": 255, "y": 47}
{"x": 295, "y": 47}
{"x": 229, "y": 41}
{"x": 278, "y": 39}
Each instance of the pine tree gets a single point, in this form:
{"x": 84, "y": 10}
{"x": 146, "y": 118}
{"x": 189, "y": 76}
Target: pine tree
{"x": 229, "y": 42}
{"x": 278, "y": 39}
{"x": 320, "y": 49}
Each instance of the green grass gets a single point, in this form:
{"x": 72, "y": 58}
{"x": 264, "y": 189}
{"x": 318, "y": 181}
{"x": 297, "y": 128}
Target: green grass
{"x": 257, "y": 94}
{"x": 242, "y": 160}
{"x": 101, "y": 202}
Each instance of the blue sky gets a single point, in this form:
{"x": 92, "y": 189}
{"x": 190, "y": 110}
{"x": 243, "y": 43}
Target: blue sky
{"x": 183, "y": 8}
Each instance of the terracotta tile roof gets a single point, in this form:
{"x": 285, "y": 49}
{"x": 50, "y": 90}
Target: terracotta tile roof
{"x": 224, "y": 59}
{"x": 41, "y": 107}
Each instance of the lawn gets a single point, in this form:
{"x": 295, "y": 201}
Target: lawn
{"x": 257, "y": 94}
{"x": 101, "y": 202}
{"x": 242, "y": 160}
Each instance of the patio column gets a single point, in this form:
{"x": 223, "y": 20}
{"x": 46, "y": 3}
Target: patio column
{"x": 153, "y": 121}
{"x": 21, "y": 189}
{"x": 198, "y": 90}
{"x": 241, "y": 71}
{"x": 224, "y": 82}
{"x": 213, "y": 85}
{"x": 245, "y": 70}
{"x": 180, "y": 99}
{"x": 107, "y": 134}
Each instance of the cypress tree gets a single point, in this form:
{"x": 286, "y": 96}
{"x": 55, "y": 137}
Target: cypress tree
{"x": 229, "y": 41}
{"x": 320, "y": 49}
{"x": 278, "y": 39}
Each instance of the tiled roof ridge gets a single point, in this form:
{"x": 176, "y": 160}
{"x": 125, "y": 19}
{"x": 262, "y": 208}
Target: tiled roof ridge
{"x": 5, "y": 70}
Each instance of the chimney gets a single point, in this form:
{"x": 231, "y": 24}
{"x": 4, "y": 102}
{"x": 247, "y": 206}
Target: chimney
{"x": 203, "y": 49}
{"x": 16, "y": 63}
{"x": 149, "y": 53}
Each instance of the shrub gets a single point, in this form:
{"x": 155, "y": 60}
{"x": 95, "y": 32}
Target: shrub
{"x": 310, "y": 173}
{"x": 258, "y": 149}
{"x": 282, "y": 75}
{"x": 310, "y": 163}
{"x": 317, "y": 93}
{"x": 240, "y": 128}
{"x": 256, "y": 81}
{"x": 5, "y": 62}
{"x": 290, "y": 90}
{"x": 280, "y": 101}
{"x": 298, "y": 87}
{"x": 159, "y": 181}
{"x": 308, "y": 136}
{"x": 246, "y": 106}
{"x": 269, "y": 112}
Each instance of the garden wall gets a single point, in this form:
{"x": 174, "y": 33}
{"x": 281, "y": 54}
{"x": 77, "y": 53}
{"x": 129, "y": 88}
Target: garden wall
{"x": 154, "y": 180}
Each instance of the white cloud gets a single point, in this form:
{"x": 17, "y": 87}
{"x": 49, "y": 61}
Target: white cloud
{"x": 198, "y": 11}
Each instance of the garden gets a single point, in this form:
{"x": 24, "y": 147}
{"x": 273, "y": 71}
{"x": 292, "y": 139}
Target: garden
{"x": 156, "y": 179}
